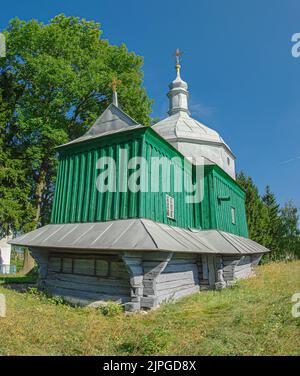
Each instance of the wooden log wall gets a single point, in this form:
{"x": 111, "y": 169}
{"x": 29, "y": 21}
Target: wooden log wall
{"x": 88, "y": 279}
{"x": 237, "y": 267}
{"x": 138, "y": 279}
{"x": 180, "y": 277}
{"x": 202, "y": 263}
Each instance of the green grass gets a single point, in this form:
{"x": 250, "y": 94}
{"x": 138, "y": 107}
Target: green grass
{"x": 18, "y": 278}
{"x": 253, "y": 318}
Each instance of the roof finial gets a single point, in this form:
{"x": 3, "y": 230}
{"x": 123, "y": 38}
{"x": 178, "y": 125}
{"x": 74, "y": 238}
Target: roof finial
{"x": 114, "y": 83}
{"x": 178, "y": 53}
{"x": 178, "y": 93}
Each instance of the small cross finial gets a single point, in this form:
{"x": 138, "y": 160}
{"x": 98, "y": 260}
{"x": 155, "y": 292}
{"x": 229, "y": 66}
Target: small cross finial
{"x": 114, "y": 83}
{"x": 178, "y": 53}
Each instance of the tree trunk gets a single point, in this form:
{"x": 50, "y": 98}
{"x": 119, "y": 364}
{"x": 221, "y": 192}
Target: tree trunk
{"x": 39, "y": 195}
{"x": 29, "y": 263}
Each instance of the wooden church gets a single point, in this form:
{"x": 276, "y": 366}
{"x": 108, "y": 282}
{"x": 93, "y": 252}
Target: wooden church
{"x": 141, "y": 247}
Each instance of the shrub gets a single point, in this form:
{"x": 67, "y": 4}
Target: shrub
{"x": 110, "y": 309}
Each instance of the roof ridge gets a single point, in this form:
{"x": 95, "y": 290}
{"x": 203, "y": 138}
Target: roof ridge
{"x": 221, "y": 233}
{"x": 152, "y": 238}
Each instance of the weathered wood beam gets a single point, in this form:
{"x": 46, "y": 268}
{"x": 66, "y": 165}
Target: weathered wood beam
{"x": 133, "y": 263}
{"x": 41, "y": 257}
{"x": 149, "y": 299}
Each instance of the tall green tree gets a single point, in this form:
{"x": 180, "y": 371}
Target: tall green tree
{"x": 16, "y": 211}
{"x": 57, "y": 80}
{"x": 290, "y": 240}
{"x": 63, "y": 71}
{"x": 273, "y": 224}
{"x": 274, "y": 227}
{"x": 256, "y": 212}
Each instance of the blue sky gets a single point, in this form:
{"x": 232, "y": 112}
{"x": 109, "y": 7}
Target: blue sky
{"x": 243, "y": 80}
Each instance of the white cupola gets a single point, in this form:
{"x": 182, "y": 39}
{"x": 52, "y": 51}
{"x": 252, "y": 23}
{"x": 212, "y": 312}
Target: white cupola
{"x": 192, "y": 138}
{"x": 178, "y": 94}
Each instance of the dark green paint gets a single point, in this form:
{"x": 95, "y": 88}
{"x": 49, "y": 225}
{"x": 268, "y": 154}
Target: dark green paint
{"x": 78, "y": 200}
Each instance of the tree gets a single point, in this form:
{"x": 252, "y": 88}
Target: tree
{"x": 275, "y": 228}
{"x": 256, "y": 212}
{"x": 15, "y": 210}
{"x": 290, "y": 241}
{"x": 60, "y": 77}
{"x": 274, "y": 224}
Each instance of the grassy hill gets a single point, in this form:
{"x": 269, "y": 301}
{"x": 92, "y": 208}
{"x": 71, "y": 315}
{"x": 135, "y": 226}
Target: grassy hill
{"x": 253, "y": 318}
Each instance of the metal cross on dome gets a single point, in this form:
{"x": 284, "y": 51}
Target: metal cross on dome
{"x": 178, "y": 53}
{"x": 114, "y": 83}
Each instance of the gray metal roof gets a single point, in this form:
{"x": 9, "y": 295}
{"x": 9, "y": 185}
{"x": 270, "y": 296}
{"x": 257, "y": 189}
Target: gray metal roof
{"x": 137, "y": 235}
{"x": 112, "y": 120}
{"x": 181, "y": 126}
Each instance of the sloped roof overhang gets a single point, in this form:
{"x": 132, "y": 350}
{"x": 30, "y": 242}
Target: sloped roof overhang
{"x": 137, "y": 235}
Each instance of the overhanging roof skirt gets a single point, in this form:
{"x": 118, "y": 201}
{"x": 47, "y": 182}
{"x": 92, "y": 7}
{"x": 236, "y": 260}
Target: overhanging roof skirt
{"x": 137, "y": 235}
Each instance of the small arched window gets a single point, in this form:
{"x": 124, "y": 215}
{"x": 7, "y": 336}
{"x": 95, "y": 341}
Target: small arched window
{"x": 233, "y": 215}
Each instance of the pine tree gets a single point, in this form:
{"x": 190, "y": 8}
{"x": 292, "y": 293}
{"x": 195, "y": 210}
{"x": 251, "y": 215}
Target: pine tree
{"x": 290, "y": 241}
{"x": 274, "y": 225}
{"x": 256, "y": 212}
{"x": 275, "y": 228}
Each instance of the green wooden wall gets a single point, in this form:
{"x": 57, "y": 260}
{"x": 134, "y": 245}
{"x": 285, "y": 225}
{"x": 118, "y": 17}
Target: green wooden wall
{"x": 154, "y": 203}
{"x": 221, "y": 193}
{"x": 78, "y": 200}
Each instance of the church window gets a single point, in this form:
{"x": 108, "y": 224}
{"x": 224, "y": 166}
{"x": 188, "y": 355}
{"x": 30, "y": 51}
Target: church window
{"x": 170, "y": 206}
{"x": 233, "y": 215}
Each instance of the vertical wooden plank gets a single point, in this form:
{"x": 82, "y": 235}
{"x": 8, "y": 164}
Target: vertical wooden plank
{"x": 132, "y": 195}
{"x": 108, "y": 195}
{"x": 65, "y": 189}
{"x": 86, "y": 198}
{"x": 116, "y": 199}
{"x": 60, "y": 200}
{"x": 124, "y": 184}
{"x": 149, "y": 193}
{"x": 100, "y": 195}
{"x": 93, "y": 189}
{"x": 81, "y": 187}
{"x": 55, "y": 208}
{"x": 75, "y": 188}
{"x": 160, "y": 193}
{"x": 144, "y": 179}
{"x": 211, "y": 270}
{"x": 69, "y": 190}
{"x": 157, "y": 208}
{"x": 212, "y": 201}
{"x": 205, "y": 267}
